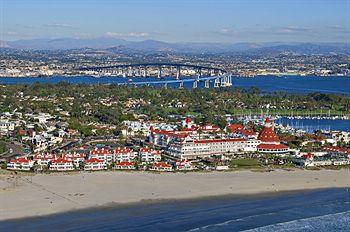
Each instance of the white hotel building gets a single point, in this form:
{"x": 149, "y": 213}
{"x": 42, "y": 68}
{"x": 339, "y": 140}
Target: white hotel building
{"x": 191, "y": 149}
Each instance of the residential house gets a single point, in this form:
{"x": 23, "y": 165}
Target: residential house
{"x": 61, "y": 164}
{"x": 21, "y": 164}
{"x": 94, "y": 164}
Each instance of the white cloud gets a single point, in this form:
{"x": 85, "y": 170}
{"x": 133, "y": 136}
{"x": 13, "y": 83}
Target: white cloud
{"x": 295, "y": 29}
{"x": 226, "y": 31}
{"x": 128, "y": 35}
{"x": 59, "y": 25}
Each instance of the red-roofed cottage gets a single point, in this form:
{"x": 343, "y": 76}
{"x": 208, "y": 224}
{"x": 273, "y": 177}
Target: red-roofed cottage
{"x": 161, "y": 167}
{"x": 149, "y": 155}
{"x": 94, "y": 164}
{"x": 125, "y": 166}
{"x": 61, "y": 164}
{"x": 124, "y": 154}
{"x": 21, "y": 164}
{"x": 102, "y": 154}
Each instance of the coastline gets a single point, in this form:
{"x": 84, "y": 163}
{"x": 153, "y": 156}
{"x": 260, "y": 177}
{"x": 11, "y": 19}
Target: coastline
{"x": 151, "y": 202}
{"x": 26, "y": 196}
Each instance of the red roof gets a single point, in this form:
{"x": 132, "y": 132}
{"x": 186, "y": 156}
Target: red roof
{"x": 182, "y": 162}
{"x": 145, "y": 149}
{"x": 94, "y": 160}
{"x": 308, "y": 156}
{"x": 241, "y": 129}
{"x": 162, "y": 165}
{"x": 184, "y": 132}
{"x": 272, "y": 146}
{"x": 220, "y": 140}
{"x": 268, "y": 135}
{"x": 20, "y": 160}
{"x": 125, "y": 163}
{"x": 337, "y": 149}
{"x": 180, "y": 136}
{"x": 149, "y": 150}
{"x": 122, "y": 150}
{"x": 102, "y": 151}
{"x": 188, "y": 120}
{"x": 164, "y": 132}
{"x": 189, "y": 129}
{"x": 236, "y": 127}
{"x": 249, "y": 132}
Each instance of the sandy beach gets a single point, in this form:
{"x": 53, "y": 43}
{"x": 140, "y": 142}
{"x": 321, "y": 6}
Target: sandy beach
{"x": 43, "y": 194}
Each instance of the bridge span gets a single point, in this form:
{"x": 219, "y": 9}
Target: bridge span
{"x": 219, "y": 81}
{"x": 204, "y": 74}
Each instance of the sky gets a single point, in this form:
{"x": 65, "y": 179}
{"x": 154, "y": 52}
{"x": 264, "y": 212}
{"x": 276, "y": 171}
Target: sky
{"x": 224, "y": 21}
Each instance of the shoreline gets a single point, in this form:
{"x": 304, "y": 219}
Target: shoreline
{"x": 42, "y": 195}
{"x": 145, "y": 202}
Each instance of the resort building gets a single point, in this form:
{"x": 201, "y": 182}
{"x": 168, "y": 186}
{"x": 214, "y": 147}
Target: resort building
{"x": 240, "y": 130}
{"x": 102, "y": 154}
{"x": 76, "y": 158}
{"x": 270, "y": 142}
{"x": 337, "y": 151}
{"x": 94, "y": 164}
{"x": 192, "y": 149}
{"x": 61, "y": 164}
{"x": 21, "y": 164}
{"x": 44, "y": 159}
{"x": 124, "y": 154}
{"x": 163, "y": 138}
{"x": 309, "y": 160}
{"x": 149, "y": 155}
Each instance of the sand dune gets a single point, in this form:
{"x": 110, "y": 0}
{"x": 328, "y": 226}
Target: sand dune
{"x": 42, "y": 194}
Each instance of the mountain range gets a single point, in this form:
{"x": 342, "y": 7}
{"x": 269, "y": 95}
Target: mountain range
{"x": 159, "y": 46}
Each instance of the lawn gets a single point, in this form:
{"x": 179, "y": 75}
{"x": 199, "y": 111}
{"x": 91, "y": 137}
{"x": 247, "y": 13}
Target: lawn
{"x": 245, "y": 163}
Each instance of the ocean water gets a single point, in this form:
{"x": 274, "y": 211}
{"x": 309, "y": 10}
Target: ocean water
{"x": 310, "y": 125}
{"x": 296, "y": 84}
{"x": 316, "y": 210}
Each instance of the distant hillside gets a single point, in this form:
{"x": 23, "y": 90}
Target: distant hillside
{"x": 115, "y": 44}
{"x": 4, "y": 44}
{"x": 305, "y": 48}
{"x": 66, "y": 43}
